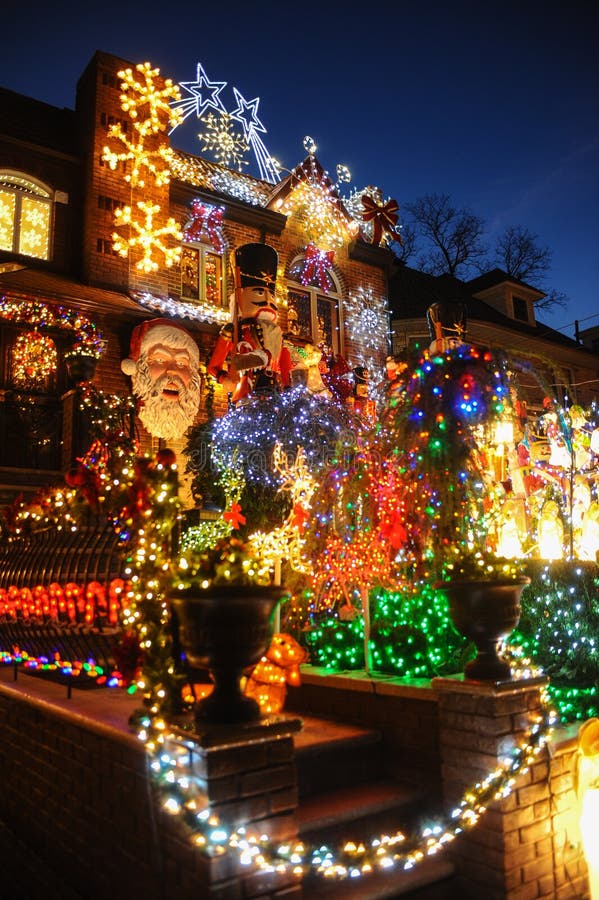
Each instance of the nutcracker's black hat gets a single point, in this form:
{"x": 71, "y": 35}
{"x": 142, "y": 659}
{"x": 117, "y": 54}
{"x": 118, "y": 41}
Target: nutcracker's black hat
{"x": 257, "y": 264}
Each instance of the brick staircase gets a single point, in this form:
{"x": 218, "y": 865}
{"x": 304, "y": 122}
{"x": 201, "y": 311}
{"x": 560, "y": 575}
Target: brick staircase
{"x": 345, "y": 793}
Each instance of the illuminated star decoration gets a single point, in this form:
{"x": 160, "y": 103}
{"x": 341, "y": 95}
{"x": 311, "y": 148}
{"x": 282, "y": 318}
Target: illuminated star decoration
{"x": 202, "y": 97}
{"x": 251, "y": 125}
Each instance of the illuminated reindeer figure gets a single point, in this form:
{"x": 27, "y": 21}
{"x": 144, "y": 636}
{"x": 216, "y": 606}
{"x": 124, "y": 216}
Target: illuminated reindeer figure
{"x": 287, "y": 540}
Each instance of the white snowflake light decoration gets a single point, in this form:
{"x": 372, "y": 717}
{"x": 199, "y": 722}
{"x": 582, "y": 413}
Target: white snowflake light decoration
{"x": 147, "y": 236}
{"x": 367, "y": 317}
{"x": 148, "y": 107}
{"x": 146, "y": 100}
{"x": 228, "y": 146}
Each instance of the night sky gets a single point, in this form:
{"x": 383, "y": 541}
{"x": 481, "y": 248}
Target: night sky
{"x": 495, "y": 104}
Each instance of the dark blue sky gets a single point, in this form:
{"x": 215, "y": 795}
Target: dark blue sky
{"x": 495, "y": 104}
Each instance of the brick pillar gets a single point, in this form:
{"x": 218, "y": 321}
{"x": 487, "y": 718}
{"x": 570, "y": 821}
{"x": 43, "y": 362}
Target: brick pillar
{"x": 76, "y": 436}
{"x": 513, "y": 853}
{"x": 246, "y": 775}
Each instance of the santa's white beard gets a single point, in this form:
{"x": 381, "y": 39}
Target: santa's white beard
{"x": 161, "y": 416}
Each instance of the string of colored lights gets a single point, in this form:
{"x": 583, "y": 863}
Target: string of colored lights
{"x": 16, "y": 307}
{"x": 172, "y": 768}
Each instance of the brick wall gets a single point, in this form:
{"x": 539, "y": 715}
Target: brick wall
{"x": 79, "y": 794}
{"x": 406, "y": 717}
{"x": 526, "y": 846}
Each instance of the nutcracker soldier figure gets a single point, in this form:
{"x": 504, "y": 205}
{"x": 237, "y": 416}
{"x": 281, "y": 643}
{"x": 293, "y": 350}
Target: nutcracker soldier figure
{"x": 252, "y": 344}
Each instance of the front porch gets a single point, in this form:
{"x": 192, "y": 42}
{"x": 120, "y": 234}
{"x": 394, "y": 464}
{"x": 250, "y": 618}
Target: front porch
{"x": 77, "y": 789}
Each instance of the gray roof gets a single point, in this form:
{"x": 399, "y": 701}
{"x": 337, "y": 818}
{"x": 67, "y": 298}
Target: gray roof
{"x": 411, "y": 292}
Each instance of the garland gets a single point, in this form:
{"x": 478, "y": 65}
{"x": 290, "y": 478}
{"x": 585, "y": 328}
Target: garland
{"x": 174, "y": 780}
{"x": 21, "y": 308}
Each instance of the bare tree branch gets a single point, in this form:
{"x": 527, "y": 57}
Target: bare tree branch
{"x": 518, "y": 253}
{"x": 453, "y": 236}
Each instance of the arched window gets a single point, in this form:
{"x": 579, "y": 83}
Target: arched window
{"x": 25, "y": 216}
{"x": 313, "y": 293}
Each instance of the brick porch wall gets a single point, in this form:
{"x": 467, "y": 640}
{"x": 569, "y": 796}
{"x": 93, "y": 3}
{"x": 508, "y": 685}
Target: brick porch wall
{"x": 78, "y": 792}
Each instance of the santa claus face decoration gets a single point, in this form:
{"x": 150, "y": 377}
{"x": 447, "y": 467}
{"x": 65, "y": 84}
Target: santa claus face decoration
{"x": 165, "y": 378}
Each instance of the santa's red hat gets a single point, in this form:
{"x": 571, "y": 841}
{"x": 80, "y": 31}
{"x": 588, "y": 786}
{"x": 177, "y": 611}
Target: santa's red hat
{"x": 159, "y": 331}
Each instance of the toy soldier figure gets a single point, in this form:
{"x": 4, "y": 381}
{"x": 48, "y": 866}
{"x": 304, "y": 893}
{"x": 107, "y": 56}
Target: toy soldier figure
{"x": 253, "y": 341}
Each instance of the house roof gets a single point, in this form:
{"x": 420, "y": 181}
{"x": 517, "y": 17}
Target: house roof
{"x": 58, "y": 289}
{"x": 202, "y": 173}
{"x": 211, "y": 176}
{"x": 411, "y": 292}
{"x": 26, "y": 119}
{"x": 498, "y": 276}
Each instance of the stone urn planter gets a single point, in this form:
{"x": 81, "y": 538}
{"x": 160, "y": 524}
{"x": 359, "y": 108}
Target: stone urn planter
{"x": 485, "y": 612}
{"x": 225, "y": 629}
{"x": 80, "y": 367}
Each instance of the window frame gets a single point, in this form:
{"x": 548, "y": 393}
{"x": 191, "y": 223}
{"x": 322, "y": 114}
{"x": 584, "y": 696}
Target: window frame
{"x": 24, "y": 186}
{"x": 204, "y": 249}
{"x": 315, "y": 293}
{"x": 521, "y": 304}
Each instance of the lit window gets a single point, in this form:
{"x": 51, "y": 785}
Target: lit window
{"x": 201, "y": 255}
{"x": 25, "y": 216}
{"x": 201, "y": 274}
{"x": 313, "y": 307}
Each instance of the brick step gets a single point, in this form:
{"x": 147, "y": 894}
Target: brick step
{"x": 344, "y": 794}
{"x": 360, "y": 812}
{"x": 430, "y": 880}
{"x": 332, "y": 754}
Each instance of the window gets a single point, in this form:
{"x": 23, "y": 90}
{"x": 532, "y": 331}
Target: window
{"x": 32, "y": 379}
{"x": 313, "y": 307}
{"x": 202, "y": 277}
{"x": 25, "y": 216}
{"x": 520, "y": 309}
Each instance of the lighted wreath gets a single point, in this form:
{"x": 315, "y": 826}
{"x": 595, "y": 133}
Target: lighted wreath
{"x": 34, "y": 359}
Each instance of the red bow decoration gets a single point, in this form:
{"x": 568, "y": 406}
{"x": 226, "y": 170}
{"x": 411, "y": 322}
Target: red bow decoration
{"x": 234, "y": 516}
{"x": 299, "y": 517}
{"x": 394, "y": 530}
{"x": 383, "y": 218}
{"x": 209, "y": 218}
{"x": 316, "y": 264}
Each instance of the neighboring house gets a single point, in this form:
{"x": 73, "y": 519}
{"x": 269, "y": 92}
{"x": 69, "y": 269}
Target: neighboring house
{"x": 589, "y": 337}
{"x": 62, "y": 280}
{"x": 500, "y": 314}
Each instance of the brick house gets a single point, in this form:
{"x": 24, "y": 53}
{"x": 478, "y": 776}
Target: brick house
{"x": 53, "y": 170}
